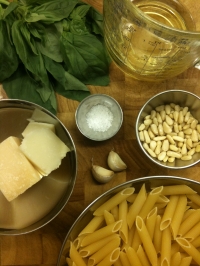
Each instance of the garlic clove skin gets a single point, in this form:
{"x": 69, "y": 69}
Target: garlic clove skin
{"x": 115, "y": 163}
{"x": 102, "y": 175}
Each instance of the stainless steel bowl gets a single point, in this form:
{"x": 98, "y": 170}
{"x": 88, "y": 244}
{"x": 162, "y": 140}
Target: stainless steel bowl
{"x": 96, "y": 127}
{"x": 86, "y": 215}
{"x": 42, "y": 202}
{"x": 179, "y": 97}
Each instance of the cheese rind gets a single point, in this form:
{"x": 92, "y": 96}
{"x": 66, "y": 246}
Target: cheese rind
{"x": 44, "y": 149}
{"x": 17, "y": 174}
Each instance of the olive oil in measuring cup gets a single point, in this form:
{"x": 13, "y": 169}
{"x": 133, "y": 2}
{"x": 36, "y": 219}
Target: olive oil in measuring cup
{"x": 150, "y": 40}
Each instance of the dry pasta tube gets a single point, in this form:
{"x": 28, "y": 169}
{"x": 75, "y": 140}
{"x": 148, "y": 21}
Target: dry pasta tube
{"x": 114, "y": 201}
{"x": 176, "y": 259}
{"x": 133, "y": 257}
{"x": 178, "y": 215}
{"x": 186, "y": 261}
{"x": 146, "y": 240}
{"x": 189, "y": 249}
{"x": 151, "y": 221}
{"x": 111, "y": 258}
{"x": 93, "y": 225}
{"x": 101, "y": 233}
{"x": 142, "y": 256}
{"x": 157, "y": 235}
{"x": 103, "y": 252}
{"x": 124, "y": 259}
{"x": 177, "y": 190}
{"x": 123, "y": 209}
{"x": 166, "y": 247}
{"x": 115, "y": 212}
{"x": 150, "y": 201}
{"x": 196, "y": 242}
{"x": 193, "y": 233}
{"x": 169, "y": 212}
{"x": 189, "y": 222}
{"x": 194, "y": 198}
{"x": 75, "y": 256}
{"x": 135, "y": 208}
{"x": 117, "y": 263}
{"x": 108, "y": 217}
{"x": 94, "y": 247}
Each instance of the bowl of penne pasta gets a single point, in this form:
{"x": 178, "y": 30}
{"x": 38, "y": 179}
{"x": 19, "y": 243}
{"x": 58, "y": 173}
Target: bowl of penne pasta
{"x": 168, "y": 129}
{"x": 151, "y": 220}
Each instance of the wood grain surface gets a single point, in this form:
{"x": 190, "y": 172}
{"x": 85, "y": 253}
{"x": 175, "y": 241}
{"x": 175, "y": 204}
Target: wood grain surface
{"x": 42, "y": 246}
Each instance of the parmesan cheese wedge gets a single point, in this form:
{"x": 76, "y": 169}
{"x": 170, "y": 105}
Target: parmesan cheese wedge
{"x": 36, "y": 125}
{"x": 44, "y": 149}
{"x": 17, "y": 173}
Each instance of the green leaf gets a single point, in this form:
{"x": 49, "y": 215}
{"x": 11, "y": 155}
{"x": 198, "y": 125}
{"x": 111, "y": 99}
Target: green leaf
{"x": 20, "y": 84}
{"x": 10, "y": 8}
{"x": 32, "y": 62}
{"x": 8, "y": 55}
{"x": 85, "y": 58}
{"x": 51, "y": 11}
{"x": 65, "y": 84}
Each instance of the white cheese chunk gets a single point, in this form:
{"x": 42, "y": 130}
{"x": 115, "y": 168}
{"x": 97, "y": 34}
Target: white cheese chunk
{"x": 36, "y": 125}
{"x": 44, "y": 149}
{"x": 17, "y": 174}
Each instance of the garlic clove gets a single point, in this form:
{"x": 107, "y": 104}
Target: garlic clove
{"x": 102, "y": 175}
{"x": 115, "y": 162}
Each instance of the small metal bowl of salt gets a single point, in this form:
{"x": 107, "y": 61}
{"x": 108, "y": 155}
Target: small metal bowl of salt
{"x": 99, "y": 117}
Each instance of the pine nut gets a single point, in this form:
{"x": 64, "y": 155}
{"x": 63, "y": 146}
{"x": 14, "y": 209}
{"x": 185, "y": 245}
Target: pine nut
{"x": 166, "y": 128}
{"x": 154, "y": 129}
{"x": 167, "y": 109}
{"x": 153, "y": 114}
{"x": 147, "y": 122}
{"x": 169, "y": 121}
{"x": 186, "y": 157}
{"x": 160, "y": 130}
{"x": 165, "y": 145}
{"x": 197, "y": 149}
{"x": 159, "y": 138}
{"x": 162, "y": 155}
{"x": 169, "y": 137}
{"x": 194, "y": 136}
{"x": 153, "y": 145}
{"x": 174, "y": 154}
{"x": 141, "y": 127}
{"x": 177, "y": 138}
{"x": 160, "y": 108}
{"x": 141, "y": 136}
{"x": 146, "y": 136}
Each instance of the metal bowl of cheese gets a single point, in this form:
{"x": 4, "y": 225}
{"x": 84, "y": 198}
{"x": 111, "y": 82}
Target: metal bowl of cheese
{"x": 99, "y": 234}
{"x": 44, "y": 200}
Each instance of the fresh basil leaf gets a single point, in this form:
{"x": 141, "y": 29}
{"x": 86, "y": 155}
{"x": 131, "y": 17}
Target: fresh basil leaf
{"x": 95, "y": 19}
{"x": 65, "y": 84}
{"x": 21, "y": 84}
{"x": 8, "y": 56}
{"x": 80, "y": 11}
{"x": 85, "y": 58}
{"x": 10, "y": 8}
{"x": 51, "y": 11}
{"x": 32, "y": 62}
{"x": 50, "y": 43}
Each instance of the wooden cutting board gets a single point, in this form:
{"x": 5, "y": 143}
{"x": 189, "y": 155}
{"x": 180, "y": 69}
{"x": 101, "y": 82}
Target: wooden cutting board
{"x": 41, "y": 248}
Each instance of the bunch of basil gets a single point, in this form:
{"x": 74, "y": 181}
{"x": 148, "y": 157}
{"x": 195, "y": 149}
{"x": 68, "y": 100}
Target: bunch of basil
{"x": 49, "y": 47}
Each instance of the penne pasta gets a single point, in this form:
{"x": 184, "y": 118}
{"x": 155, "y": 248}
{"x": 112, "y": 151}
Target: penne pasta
{"x": 108, "y": 217}
{"x": 136, "y": 241}
{"x": 166, "y": 247}
{"x": 150, "y": 201}
{"x": 143, "y": 256}
{"x": 194, "y": 198}
{"x": 117, "y": 263}
{"x": 92, "y": 226}
{"x": 157, "y": 235}
{"x": 135, "y": 208}
{"x": 75, "y": 256}
{"x": 189, "y": 249}
{"x": 114, "y": 201}
{"x": 196, "y": 242}
{"x": 146, "y": 240}
{"x": 124, "y": 259}
{"x": 123, "y": 209}
{"x": 151, "y": 222}
{"x": 101, "y": 233}
{"x": 189, "y": 222}
{"x": 178, "y": 190}
{"x": 169, "y": 212}
{"x": 133, "y": 257}
{"x": 94, "y": 247}
{"x": 193, "y": 233}
{"x": 110, "y": 258}
{"x": 186, "y": 261}
{"x": 176, "y": 259}
{"x": 178, "y": 215}
{"x": 104, "y": 251}
{"x": 115, "y": 212}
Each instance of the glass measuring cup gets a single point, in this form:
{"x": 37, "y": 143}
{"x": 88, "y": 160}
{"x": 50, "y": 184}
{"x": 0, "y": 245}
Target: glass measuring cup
{"x": 150, "y": 40}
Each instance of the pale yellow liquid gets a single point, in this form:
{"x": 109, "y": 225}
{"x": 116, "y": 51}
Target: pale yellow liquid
{"x": 145, "y": 55}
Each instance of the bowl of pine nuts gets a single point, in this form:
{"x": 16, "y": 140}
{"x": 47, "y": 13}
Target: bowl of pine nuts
{"x": 168, "y": 129}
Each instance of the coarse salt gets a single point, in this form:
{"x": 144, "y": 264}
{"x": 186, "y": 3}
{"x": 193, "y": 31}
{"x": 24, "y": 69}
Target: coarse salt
{"x": 99, "y": 118}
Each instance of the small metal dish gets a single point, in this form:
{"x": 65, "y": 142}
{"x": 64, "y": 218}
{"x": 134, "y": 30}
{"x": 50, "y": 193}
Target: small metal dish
{"x": 177, "y": 97}
{"x": 99, "y": 117}
{"x": 41, "y": 203}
